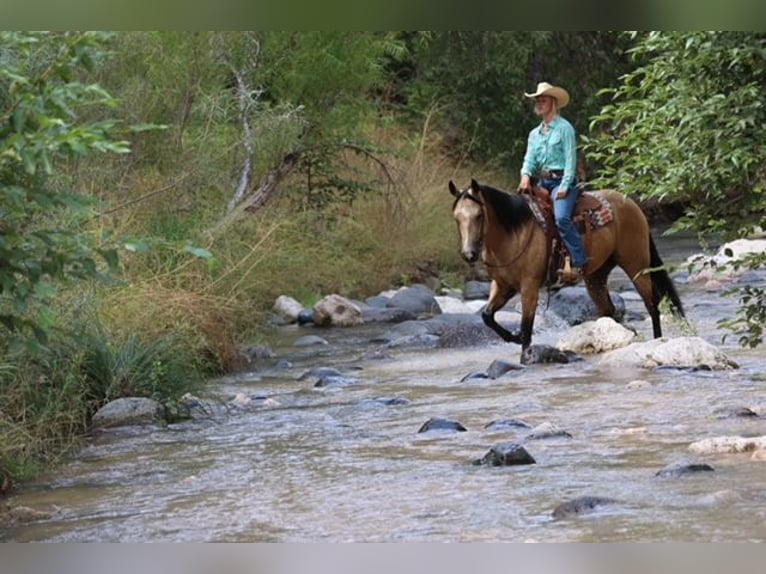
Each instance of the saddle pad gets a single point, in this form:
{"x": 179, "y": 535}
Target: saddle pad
{"x": 602, "y": 214}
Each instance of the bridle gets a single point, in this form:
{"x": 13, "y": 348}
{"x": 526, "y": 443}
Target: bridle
{"x": 484, "y": 261}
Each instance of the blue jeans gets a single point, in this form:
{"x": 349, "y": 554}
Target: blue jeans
{"x": 562, "y": 212}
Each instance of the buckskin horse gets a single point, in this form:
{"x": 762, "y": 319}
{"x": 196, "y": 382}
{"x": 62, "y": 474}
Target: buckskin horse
{"x": 514, "y": 238}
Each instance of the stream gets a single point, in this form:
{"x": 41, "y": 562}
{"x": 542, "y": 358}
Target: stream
{"x": 347, "y": 463}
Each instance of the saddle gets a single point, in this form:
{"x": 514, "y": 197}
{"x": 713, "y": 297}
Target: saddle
{"x": 590, "y": 212}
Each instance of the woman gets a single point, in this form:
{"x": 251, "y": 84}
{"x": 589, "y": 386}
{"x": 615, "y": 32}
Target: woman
{"x": 551, "y": 159}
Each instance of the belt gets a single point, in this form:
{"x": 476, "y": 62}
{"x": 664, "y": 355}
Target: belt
{"x": 552, "y": 174}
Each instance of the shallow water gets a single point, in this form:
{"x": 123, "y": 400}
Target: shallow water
{"x": 334, "y": 464}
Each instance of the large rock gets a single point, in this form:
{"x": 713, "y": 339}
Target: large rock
{"x": 129, "y": 411}
{"x": 574, "y": 305}
{"x": 417, "y": 299}
{"x": 599, "y": 336}
{"x": 678, "y": 352}
{"x": 337, "y": 311}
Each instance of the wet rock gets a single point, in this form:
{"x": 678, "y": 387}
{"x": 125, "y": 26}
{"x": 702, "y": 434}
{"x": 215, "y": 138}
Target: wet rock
{"x": 309, "y": 341}
{"x": 256, "y": 353}
{"x": 507, "y": 424}
{"x": 320, "y": 372}
{"x": 335, "y": 381}
{"x": 734, "y": 412}
{"x": 681, "y": 351}
{"x": 387, "y": 315}
{"x": 337, "y": 311}
{"x": 474, "y": 375}
{"x": 719, "y": 498}
{"x": 759, "y": 455}
{"x": 581, "y": 505}
{"x": 440, "y": 424}
{"x": 545, "y": 354}
{"x": 574, "y": 305}
{"x": 129, "y": 411}
{"x": 377, "y": 301}
{"x": 498, "y": 368}
{"x": 376, "y": 355}
{"x": 728, "y": 444}
{"x": 506, "y": 454}
{"x": 388, "y": 401}
{"x": 591, "y": 337}
{"x": 467, "y": 335}
{"x": 306, "y": 317}
{"x": 426, "y": 340}
{"x": 638, "y": 384}
{"x": 417, "y": 299}
{"x": 451, "y": 305}
{"x": 547, "y": 430}
{"x": 18, "y": 514}
{"x": 477, "y": 290}
{"x": 677, "y": 470}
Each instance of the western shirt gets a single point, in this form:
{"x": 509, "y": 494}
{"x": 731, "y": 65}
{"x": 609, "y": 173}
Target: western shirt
{"x": 552, "y": 149}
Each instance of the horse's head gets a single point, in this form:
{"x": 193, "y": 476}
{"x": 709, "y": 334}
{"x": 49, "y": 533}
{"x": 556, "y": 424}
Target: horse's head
{"x": 468, "y": 211}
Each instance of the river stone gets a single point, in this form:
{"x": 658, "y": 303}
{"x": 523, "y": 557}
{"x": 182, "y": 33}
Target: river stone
{"x": 547, "y": 430}
{"x": 320, "y": 372}
{"x": 677, "y": 352}
{"x": 591, "y": 337}
{"x": 417, "y": 299}
{"x": 474, "y": 375}
{"x": 506, "y": 454}
{"x": 335, "y": 381}
{"x": 498, "y": 368}
{"x": 129, "y": 411}
{"x": 580, "y": 505}
{"x": 288, "y": 307}
{"x": 337, "y": 311}
{"x": 441, "y": 425}
{"x": 507, "y": 424}
{"x": 309, "y": 340}
{"x": 734, "y": 412}
{"x": 477, "y": 290}
{"x": 676, "y": 470}
{"x": 545, "y": 354}
{"x": 386, "y": 315}
{"x": 574, "y": 305}
{"x": 728, "y": 444}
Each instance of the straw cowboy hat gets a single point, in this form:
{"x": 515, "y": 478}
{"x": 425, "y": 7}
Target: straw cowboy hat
{"x": 546, "y": 89}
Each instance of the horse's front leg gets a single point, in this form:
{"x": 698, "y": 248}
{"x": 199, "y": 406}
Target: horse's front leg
{"x": 498, "y": 297}
{"x": 529, "y": 298}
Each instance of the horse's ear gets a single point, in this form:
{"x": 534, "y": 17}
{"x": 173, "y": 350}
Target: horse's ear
{"x": 453, "y": 189}
{"x": 474, "y": 185}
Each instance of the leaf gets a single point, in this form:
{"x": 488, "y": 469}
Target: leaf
{"x": 200, "y": 252}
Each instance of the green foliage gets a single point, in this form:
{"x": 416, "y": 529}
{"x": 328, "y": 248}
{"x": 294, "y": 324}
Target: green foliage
{"x": 686, "y": 126}
{"x": 750, "y": 320}
{"x": 41, "y": 242}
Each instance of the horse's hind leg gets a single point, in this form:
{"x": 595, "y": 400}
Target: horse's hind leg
{"x": 642, "y": 280}
{"x": 497, "y": 298}
{"x": 595, "y": 283}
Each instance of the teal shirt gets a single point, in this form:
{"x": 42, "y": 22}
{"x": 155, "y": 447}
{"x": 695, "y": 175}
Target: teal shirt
{"x": 556, "y": 149}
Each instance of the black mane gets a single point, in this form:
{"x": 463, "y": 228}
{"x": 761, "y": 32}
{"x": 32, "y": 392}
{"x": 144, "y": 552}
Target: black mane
{"x": 512, "y": 209}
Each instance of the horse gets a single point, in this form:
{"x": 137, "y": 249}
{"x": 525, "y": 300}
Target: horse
{"x": 503, "y": 230}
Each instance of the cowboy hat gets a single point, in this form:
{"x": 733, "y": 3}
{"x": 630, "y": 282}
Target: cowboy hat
{"x": 546, "y": 89}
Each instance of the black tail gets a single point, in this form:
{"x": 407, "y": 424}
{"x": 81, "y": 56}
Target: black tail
{"x": 663, "y": 284}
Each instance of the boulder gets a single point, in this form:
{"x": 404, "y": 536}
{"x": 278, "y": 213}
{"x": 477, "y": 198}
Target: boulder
{"x": 129, "y": 411}
{"x": 591, "y": 337}
{"x": 506, "y": 454}
{"x": 288, "y": 307}
{"x": 677, "y": 352}
{"x": 417, "y": 299}
{"x": 574, "y": 305}
{"x": 728, "y": 444}
{"x": 337, "y": 311}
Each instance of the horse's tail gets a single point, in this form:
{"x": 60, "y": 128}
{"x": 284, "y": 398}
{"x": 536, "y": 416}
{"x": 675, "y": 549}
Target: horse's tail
{"x": 663, "y": 284}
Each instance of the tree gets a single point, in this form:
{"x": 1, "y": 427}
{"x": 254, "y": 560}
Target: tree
{"x": 41, "y": 240}
{"x": 687, "y": 125}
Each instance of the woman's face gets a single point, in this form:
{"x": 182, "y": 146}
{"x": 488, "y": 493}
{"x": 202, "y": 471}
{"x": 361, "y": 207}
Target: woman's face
{"x": 543, "y": 105}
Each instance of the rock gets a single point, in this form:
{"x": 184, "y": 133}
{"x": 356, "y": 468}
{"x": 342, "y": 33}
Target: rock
{"x": 288, "y": 307}
{"x": 638, "y": 384}
{"x": 306, "y": 317}
{"x": 677, "y": 352}
{"x": 476, "y": 290}
{"x": 129, "y": 411}
{"x": 581, "y": 505}
{"x": 336, "y": 381}
{"x": 456, "y": 306}
{"x": 591, "y": 337}
{"x": 734, "y": 412}
{"x": 545, "y": 354}
{"x": 507, "y": 424}
{"x": 467, "y": 335}
{"x": 728, "y": 444}
{"x": 676, "y": 470}
{"x": 417, "y": 299}
{"x": 309, "y": 340}
{"x": 337, "y": 311}
{"x": 498, "y": 368}
{"x": 506, "y": 454}
{"x": 441, "y": 425}
{"x": 574, "y": 305}
{"x": 759, "y": 455}
{"x": 386, "y": 315}
{"x": 474, "y": 375}
{"x": 547, "y": 430}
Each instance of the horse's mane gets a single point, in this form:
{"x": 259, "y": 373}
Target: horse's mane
{"x": 512, "y": 209}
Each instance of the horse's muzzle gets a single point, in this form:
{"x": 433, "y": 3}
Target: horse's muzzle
{"x": 470, "y": 256}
